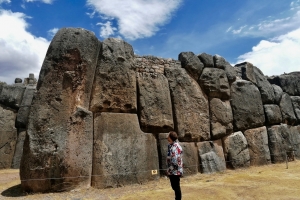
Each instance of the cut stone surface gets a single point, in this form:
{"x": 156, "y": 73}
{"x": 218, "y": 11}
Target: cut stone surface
{"x": 221, "y": 63}
{"x": 123, "y": 154}
{"x": 273, "y": 114}
{"x": 211, "y": 156}
{"x": 295, "y": 138}
{"x": 190, "y": 105}
{"x": 236, "y": 150}
{"x": 23, "y": 112}
{"x": 296, "y": 106}
{"x": 114, "y": 88}
{"x": 257, "y": 140}
{"x": 290, "y": 83}
{"x": 278, "y": 93}
{"x": 11, "y": 95}
{"x": 191, "y": 63}
{"x": 19, "y": 149}
{"x": 215, "y": 83}
{"x": 189, "y": 158}
{"x": 59, "y": 141}
{"x": 221, "y": 118}
{"x": 207, "y": 60}
{"x": 155, "y": 107}
{"x": 246, "y": 105}
{"x": 287, "y": 110}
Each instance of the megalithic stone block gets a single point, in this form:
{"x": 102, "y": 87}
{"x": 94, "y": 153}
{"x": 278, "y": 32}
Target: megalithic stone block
{"x": 123, "y": 154}
{"x": 58, "y": 146}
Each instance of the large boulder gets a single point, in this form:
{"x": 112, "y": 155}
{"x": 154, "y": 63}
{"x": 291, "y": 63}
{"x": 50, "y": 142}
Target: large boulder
{"x": 273, "y": 114}
{"x": 278, "y": 93}
{"x": 114, "y": 88}
{"x": 296, "y": 105}
{"x": 257, "y": 140}
{"x": 23, "y": 112}
{"x": 211, "y": 156}
{"x": 190, "y": 105}
{"x": 8, "y": 136}
{"x": 189, "y": 158}
{"x": 155, "y": 107}
{"x": 287, "y": 110}
{"x": 123, "y": 154}
{"x": 236, "y": 150}
{"x": 191, "y": 63}
{"x": 11, "y": 95}
{"x": 255, "y": 75}
{"x": 19, "y": 149}
{"x": 295, "y": 138}
{"x": 215, "y": 83}
{"x": 246, "y": 105}
{"x": 221, "y": 63}
{"x": 290, "y": 83}
{"x": 207, "y": 60}
{"x": 221, "y": 118}
{"x": 58, "y": 147}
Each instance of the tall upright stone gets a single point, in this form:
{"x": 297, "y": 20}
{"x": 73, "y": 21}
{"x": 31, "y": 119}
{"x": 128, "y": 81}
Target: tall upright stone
{"x": 123, "y": 154}
{"x": 296, "y": 106}
{"x": 287, "y": 110}
{"x": 114, "y": 88}
{"x": 59, "y": 140}
{"x": 155, "y": 107}
{"x": 190, "y": 105}
{"x": 246, "y": 104}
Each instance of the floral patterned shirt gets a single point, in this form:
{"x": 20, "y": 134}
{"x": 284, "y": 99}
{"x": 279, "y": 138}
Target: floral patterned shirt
{"x": 174, "y": 159}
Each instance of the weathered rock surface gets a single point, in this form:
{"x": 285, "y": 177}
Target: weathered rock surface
{"x": 290, "y": 83}
{"x": 8, "y": 136}
{"x": 190, "y": 105}
{"x": 23, "y": 112}
{"x": 189, "y": 158}
{"x": 257, "y": 140}
{"x": 220, "y": 118}
{"x": 207, "y": 60}
{"x": 191, "y": 63}
{"x": 215, "y": 83}
{"x": 11, "y": 95}
{"x": 296, "y": 106}
{"x": 278, "y": 93}
{"x": 59, "y": 141}
{"x": 114, "y": 88}
{"x": 287, "y": 110}
{"x": 19, "y": 149}
{"x": 221, "y": 63}
{"x": 255, "y": 75}
{"x": 123, "y": 154}
{"x": 211, "y": 156}
{"x": 163, "y": 150}
{"x": 273, "y": 114}
{"x": 279, "y": 142}
{"x": 236, "y": 150}
{"x": 295, "y": 138}
{"x": 246, "y": 105}
{"x": 155, "y": 107}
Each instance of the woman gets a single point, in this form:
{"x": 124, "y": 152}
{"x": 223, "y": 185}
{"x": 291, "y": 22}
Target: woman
{"x": 174, "y": 163}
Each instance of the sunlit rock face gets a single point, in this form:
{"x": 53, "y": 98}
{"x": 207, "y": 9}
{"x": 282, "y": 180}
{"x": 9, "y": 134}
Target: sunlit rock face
{"x": 99, "y": 115}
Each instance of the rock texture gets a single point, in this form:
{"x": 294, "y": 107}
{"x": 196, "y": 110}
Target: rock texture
{"x": 211, "y": 156}
{"x": 221, "y": 118}
{"x": 257, "y": 140}
{"x": 114, "y": 88}
{"x": 296, "y": 106}
{"x": 273, "y": 114}
{"x": 123, "y": 154}
{"x": 11, "y": 95}
{"x": 155, "y": 107}
{"x": 287, "y": 110}
{"x": 290, "y": 83}
{"x": 246, "y": 105}
{"x": 236, "y": 150}
{"x": 190, "y": 104}
{"x": 191, "y": 63}
{"x": 59, "y": 141}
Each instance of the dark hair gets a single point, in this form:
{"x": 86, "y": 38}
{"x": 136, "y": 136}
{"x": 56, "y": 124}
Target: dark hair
{"x": 173, "y": 135}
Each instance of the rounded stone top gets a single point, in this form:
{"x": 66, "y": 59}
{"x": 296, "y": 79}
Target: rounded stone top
{"x": 18, "y": 80}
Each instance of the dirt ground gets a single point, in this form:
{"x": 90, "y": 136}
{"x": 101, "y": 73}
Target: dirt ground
{"x": 265, "y": 182}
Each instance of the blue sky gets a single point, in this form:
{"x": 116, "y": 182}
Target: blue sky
{"x": 265, "y": 33}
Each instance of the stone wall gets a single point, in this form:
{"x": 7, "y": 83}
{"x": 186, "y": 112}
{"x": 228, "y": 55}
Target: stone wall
{"x": 100, "y": 115}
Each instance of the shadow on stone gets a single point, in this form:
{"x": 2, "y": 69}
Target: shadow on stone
{"x": 14, "y": 191}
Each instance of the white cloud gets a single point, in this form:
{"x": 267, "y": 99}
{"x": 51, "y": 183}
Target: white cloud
{"x": 276, "y": 56}
{"x": 4, "y": 1}
{"x": 21, "y": 52}
{"x": 52, "y": 32}
{"x": 44, "y": 1}
{"x": 106, "y": 29}
{"x": 136, "y": 18}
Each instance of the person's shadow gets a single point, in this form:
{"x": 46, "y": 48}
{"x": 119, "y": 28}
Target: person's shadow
{"x": 14, "y": 191}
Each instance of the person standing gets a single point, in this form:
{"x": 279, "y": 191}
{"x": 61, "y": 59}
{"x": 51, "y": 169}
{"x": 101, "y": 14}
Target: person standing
{"x": 174, "y": 163}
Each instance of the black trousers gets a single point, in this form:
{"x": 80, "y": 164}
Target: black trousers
{"x": 175, "y": 183}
